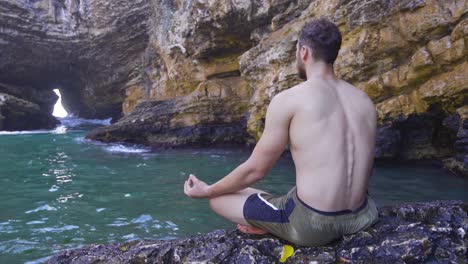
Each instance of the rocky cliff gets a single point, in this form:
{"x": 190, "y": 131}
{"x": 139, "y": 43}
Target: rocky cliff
{"x": 409, "y": 233}
{"x": 408, "y": 56}
{"x": 203, "y": 72}
{"x": 85, "y": 48}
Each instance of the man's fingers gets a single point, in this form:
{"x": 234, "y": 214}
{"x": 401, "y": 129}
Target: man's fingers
{"x": 193, "y": 177}
{"x": 185, "y": 188}
{"x": 191, "y": 183}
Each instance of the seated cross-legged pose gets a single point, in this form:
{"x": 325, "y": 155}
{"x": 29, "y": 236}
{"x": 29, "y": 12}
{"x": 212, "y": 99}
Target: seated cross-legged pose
{"x": 330, "y": 127}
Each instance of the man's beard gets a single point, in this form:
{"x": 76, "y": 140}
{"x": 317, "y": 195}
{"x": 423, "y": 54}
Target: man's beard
{"x": 301, "y": 70}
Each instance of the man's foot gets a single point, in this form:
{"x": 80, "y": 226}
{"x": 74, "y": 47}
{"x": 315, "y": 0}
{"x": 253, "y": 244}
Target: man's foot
{"x": 251, "y": 230}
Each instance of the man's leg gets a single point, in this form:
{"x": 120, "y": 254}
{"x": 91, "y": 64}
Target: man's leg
{"x": 230, "y": 206}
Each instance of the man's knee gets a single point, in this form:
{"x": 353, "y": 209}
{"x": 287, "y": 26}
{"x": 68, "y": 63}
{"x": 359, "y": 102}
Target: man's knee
{"x": 222, "y": 204}
{"x": 214, "y": 203}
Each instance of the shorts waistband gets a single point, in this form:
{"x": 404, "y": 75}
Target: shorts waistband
{"x": 333, "y": 213}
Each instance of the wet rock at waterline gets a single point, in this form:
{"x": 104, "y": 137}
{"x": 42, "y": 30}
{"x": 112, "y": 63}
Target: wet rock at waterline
{"x": 459, "y": 122}
{"x": 431, "y": 232}
{"x": 18, "y": 114}
{"x": 207, "y": 117}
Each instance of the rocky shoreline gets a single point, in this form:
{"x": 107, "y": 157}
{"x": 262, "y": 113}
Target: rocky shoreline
{"x": 426, "y": 232}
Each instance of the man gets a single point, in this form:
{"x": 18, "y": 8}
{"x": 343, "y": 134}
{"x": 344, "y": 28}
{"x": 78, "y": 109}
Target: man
{"x": 330, "y": 126}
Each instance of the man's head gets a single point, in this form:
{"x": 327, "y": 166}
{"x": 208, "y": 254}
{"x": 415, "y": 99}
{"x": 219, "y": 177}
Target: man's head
{"x": 319, "y": 40}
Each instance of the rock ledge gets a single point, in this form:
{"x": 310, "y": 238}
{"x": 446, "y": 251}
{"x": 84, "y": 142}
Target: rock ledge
{"x": 429, "y": 232}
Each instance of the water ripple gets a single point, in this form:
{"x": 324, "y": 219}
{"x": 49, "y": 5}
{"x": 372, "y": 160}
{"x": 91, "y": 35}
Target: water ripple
{"x": 35, "y": 222}
{"x": 45, "y": 207}
{"x": 65, "y": 198}
{"x": 55, "y": 229}
{"x": 142, "y": 219}
{"x": 119, "y": 223}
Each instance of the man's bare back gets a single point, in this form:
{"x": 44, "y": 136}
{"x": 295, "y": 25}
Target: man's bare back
{"x": 332, "y": 135}
{"x": 330, "y": 126}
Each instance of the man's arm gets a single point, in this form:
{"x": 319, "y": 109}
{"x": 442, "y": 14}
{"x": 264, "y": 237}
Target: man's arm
{"x": 265, "y": 154}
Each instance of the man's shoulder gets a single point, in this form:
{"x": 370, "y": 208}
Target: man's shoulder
{"x": 283, "y": 102}
{"x": 297, "y": 91}
{"x": 283, "y": 96}
{"x": 361, "y": 100}
{"x": 357, "y": 93}
{"x": 298, "y": 87}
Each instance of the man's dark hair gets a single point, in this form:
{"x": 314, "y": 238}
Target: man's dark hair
{"x": 323, "y": 37}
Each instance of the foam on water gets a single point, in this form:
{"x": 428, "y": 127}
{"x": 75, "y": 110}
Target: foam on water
{"x": 66, "y": 123}
{"x": 26, "y": 132}
{"x": 125, "y": 149}
{"x": 60, "y": 130}
{"x": 72, "y": 122}
{"x": 115, "y": 147}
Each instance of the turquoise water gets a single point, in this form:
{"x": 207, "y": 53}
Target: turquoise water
{"x": 61, "y": 191}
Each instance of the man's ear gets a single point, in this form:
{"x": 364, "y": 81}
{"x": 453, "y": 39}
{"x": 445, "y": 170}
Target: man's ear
{"x": 305, "y": 52}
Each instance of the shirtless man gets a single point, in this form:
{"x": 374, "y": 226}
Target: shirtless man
{"x": 330, "y": 126}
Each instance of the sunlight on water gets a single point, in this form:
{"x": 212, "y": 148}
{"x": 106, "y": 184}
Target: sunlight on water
{"x": 59, "y": 111}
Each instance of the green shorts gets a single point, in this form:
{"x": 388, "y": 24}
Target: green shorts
{"x": 291, "y": 219}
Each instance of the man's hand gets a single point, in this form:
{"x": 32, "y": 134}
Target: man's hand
{"x": 194, "y": 188}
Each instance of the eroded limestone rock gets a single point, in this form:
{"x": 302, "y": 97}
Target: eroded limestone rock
{"x": 212, "y": 114}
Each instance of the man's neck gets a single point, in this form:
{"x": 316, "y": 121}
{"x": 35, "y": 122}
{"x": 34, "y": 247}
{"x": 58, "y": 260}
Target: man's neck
{"x": 320, "y": 70}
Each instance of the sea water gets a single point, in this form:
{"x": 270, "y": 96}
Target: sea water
{"x": 61, "y": 191}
